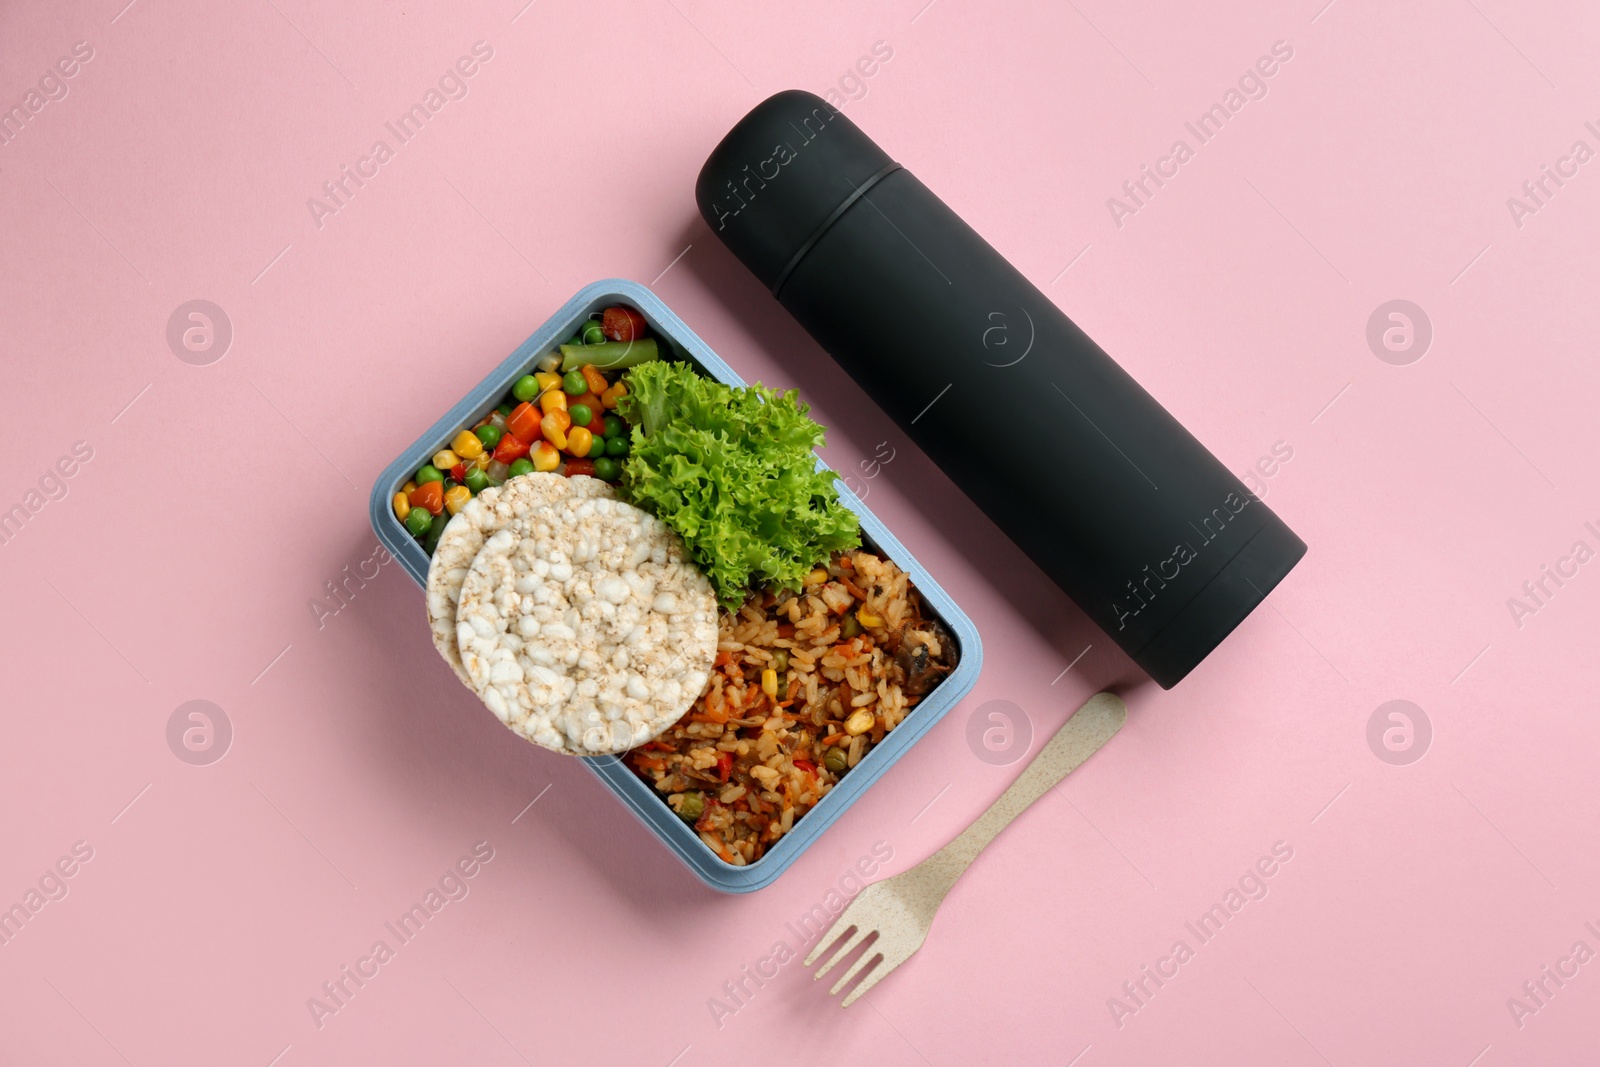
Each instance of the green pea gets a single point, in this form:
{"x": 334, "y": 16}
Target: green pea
{"x": 527, "y": 388}
{"x": 581, "y": 414}
{"x": 836, "y": 761}
{"x": 428, "y": 473}
{"x": 607, "y": 469}
{"x": 693, "y": 805}
{"x": 615, "y": 427}
{"x": 593, "y": 334}
{"x": 505, "y": 409}
{"x": 617, "y": 446}
{"x": 521, "y": 466}
{"x": 780, "y": 659}
{"x": 575, "y": 339}
{"x": 574, "y": 383}
{"x": 418, "y": 520}
{"x": 850, "y": 626}
{"x": 477, "y": 481}
{"x": 489, "y": 435}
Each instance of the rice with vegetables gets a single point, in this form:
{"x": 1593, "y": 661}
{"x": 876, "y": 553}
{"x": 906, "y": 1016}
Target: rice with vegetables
{"x": 805, "y": 683}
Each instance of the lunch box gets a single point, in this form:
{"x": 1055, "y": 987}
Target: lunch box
{"x": 640, "y": 798}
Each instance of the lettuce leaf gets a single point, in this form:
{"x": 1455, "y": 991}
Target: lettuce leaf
{"x": 732, "y": 471}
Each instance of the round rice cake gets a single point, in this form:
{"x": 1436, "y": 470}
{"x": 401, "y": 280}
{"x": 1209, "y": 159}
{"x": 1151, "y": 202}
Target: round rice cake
{"x": 585, "y": 628}
{"x": 490, "y": 511}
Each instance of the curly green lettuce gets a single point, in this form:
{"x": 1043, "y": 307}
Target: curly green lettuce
{"x": 732, "y": 470}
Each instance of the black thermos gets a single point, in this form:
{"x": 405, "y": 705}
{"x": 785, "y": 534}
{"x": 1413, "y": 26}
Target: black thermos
{"x": 1152, "y": 537}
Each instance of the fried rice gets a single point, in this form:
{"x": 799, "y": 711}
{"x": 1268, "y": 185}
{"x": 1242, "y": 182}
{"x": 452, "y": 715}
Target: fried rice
{"x": 805, "y": 683}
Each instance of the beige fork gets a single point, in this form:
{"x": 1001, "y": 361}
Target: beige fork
{"x": 898, "y": 911}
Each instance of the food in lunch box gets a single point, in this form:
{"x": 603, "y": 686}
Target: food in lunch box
{"x": 805, "y": 683}
{"x": 583, "y": 535}
{"x": 732, "y": 470}
{"x": 486, "y": 514}
{"x": 585, "y": 628}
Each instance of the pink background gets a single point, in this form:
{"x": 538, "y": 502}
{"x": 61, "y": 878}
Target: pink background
{"x": 220, "y": 499}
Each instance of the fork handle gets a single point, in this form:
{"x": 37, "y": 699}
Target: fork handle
{"x": 1090, "y": 727}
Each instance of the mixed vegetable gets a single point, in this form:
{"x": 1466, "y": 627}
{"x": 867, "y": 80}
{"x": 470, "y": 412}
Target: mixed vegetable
{"x": 562, "y": 417}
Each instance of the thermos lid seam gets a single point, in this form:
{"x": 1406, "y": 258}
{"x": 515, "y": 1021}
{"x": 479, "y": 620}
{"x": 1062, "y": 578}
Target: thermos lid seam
{"x": 816, "y": 235}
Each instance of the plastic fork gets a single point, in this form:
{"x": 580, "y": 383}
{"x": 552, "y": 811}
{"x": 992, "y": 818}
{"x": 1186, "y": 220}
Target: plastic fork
{"x": 893, "y": 916}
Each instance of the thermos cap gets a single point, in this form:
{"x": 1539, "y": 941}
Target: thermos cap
{"x": 781, "y": 176}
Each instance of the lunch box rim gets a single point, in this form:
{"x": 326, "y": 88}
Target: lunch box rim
{"x": 638, "y": 797}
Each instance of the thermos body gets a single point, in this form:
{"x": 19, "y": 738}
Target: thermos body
{"x": 1153, "y": 538}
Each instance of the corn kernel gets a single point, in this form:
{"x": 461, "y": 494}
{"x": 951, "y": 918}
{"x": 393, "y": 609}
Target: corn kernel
{"x": 859, "y": 722}
{"x": 554, "y": 427}
{"x": 456, "y": 497}
{"x": 545, "y": 457}
{"x": 579, "y": 441}
{"x": 466, "y": 445}
{"x": 867, "y": 619}
{"x": 444, "y": 459}
{"x": 769, "y": 683}
{"x": 553, "y": 400}
{"x": 402, "y": 506}
{"x": 609, "y": 398}
{"x": 816, "y": 577}
{"x": 484, "y": 459}
{"x": 548, "y": 380}
{"x": 409, "y": 488}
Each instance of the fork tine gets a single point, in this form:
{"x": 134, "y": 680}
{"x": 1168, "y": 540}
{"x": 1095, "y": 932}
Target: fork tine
{"x": 867, "y": 957}
{"x": 870, "y": 979}
{"x": 840, "y": 925}
{"x": 846, "y": 946}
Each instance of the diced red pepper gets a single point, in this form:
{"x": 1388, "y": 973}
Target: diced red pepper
{"x": 459, "y": 472}
{"x": 576, "y": 467}
{"x": 724, "y": 765}
{"x": 429, "y": 495}
{"x": 510, "y": 449}
{"x": 807, "y": 766}
{"x": 523, "y": 422}
{"x": 622, "y": 324}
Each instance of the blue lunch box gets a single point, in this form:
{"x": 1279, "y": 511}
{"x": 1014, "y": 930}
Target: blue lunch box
{"x": 640, "y": 798}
